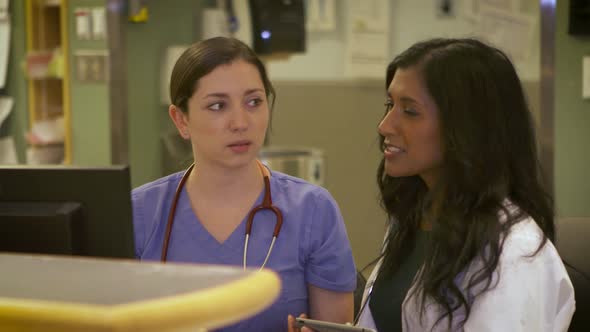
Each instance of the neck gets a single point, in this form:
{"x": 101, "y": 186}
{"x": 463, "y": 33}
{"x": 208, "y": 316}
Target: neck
{"x": 216, "y": 182}
{"x": 432, "y": 212}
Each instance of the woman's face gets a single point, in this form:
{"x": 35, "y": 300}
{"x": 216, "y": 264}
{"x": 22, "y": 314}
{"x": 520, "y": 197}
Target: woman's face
{"x": 228, "y": 115}
{"x": 411, "y": 129}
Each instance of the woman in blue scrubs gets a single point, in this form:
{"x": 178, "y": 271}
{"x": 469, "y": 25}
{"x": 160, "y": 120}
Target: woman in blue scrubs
{"x": 220, "y": 97}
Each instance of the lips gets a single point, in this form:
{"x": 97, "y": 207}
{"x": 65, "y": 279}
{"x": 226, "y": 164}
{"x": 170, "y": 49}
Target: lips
{"x": 388, "y": 147}
{"x": 392, "y": 149}
{"x": 240, "y": 143}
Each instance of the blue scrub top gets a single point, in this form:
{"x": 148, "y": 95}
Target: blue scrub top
{"x": 312, "y": 247}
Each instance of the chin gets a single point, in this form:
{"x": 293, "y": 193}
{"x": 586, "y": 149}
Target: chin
{"x": 399, "y": 173}
{"x": 242, "y": 160}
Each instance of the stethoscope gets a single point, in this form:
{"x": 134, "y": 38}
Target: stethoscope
{"x": 266, "y": 205}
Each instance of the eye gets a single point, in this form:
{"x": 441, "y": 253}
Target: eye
{"x": 216, "y": 106}
{"x": 388, "y": 105}
{"x": 410, "y": 112}
{"x": 255, "y": 102}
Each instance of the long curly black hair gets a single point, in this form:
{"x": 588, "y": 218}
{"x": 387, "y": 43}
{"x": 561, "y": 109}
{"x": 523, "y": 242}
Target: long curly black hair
{"x": 490, "y": 155}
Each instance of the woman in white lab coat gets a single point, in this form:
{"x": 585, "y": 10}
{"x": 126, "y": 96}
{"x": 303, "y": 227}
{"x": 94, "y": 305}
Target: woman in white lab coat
{"x": 469, "y": 243}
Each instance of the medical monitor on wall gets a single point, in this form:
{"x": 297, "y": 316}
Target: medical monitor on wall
{"x": 278, "y": 26}
{"x": 66, "y": 210}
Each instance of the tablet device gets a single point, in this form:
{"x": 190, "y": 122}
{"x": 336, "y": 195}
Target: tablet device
{"x": 321, "y": 326}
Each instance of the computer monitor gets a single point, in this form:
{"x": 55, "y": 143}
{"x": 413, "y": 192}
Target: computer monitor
{"x": 83, "y": 211}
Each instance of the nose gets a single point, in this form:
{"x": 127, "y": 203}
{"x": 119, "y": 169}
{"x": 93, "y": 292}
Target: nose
{"x": 388, "y": 124}
{"x": 239, "y": 120}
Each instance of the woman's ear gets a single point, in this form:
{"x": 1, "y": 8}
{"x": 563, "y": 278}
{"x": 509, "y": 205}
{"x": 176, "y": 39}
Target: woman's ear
{"x": 180, "y": 121}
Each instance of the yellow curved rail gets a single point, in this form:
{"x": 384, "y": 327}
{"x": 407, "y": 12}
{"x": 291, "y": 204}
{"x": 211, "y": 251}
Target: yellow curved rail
{"x": 195, "y": 311}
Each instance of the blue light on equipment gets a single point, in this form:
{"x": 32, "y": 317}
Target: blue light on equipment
{"x": 265, "y": 34}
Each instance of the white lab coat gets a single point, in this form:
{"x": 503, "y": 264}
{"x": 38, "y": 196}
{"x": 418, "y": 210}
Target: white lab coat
{"x": 533, "y": 293}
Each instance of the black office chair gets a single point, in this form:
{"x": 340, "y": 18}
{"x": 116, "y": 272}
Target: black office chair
{"x": 572, "y": 235}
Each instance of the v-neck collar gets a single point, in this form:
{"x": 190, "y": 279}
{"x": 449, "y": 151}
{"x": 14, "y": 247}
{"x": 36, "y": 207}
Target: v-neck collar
{"x": 234, "y": 242}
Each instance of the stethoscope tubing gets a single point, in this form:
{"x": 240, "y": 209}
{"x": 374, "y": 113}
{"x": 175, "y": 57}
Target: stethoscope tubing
{"x": 266, "y": 205}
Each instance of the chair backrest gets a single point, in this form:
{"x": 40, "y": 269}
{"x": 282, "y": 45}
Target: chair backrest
{"x": 573, "y": 246}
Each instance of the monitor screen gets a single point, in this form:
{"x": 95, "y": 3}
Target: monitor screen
{"x": 66, "y": 210}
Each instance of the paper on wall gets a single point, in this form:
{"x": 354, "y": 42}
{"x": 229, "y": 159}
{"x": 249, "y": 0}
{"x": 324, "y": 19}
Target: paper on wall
{"x": 3, "y": 9}
{"x": 470, "y": 10}
{"x": 510, "y": 31}
{"x": 171, "y": 54}
{"x": 321, "y": 15}
{"x": 6, "y": 104}
{"x": 215, "y": 23}
{"x": 497, "y": 4}
{"x": 83, "y": 23}
{"x": 4, "y": 43}
{"x": 7, "y": 146}
{"x": 98, "y": 21}
{"x": 367, "y": 38}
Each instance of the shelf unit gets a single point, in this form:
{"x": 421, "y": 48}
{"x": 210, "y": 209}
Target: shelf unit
{"x": 46, "y": 67}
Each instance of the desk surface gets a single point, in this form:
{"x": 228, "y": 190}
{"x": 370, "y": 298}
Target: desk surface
{"x": 58, "y": 293}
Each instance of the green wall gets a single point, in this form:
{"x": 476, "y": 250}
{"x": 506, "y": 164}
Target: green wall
{"x": 572, "y": 121}
{"x": 146, "y": 42}
{"x": 16, "y": 85}
{"x": 91, "y": 140}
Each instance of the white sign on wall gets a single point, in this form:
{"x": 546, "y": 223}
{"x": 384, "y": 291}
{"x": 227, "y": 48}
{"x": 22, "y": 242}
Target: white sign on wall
{"x": 367, "y": 38}
{"x": 321, "y": 15}
{"x": 171, "y": 54}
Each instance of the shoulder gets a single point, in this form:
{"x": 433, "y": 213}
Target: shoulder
{"x": 526, "y": 252}
{"x": 150, "y": 196}
{"x": 300, "y": 189}
{"x": 531, "y": 280}
{"x": 524, "y": 238}
{"x": 305, "y": 201}
{"x": 150, "y": 203}
{"x": 157, "y": 187}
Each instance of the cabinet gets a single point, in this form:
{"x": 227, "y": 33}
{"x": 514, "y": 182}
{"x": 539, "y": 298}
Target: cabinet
{"x": 46, "y": 69}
